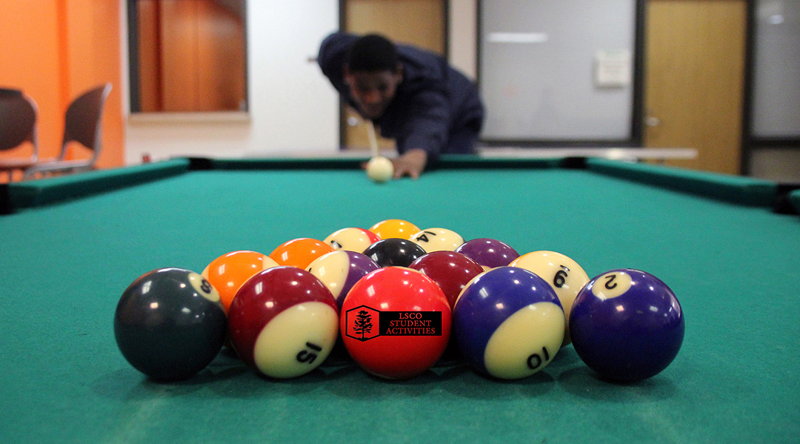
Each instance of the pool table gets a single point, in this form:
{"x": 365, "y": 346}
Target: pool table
{"x": 72, "y": 244}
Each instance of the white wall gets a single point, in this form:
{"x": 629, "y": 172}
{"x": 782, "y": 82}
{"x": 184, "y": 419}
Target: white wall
{"x": 462, "y": 44}
{"x": 293, "y": 108}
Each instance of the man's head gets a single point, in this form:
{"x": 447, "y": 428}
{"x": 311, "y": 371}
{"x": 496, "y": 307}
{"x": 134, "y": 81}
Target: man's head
{"x": 372, "y": 72}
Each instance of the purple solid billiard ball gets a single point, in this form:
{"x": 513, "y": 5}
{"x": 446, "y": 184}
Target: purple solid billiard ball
{"x": 489, "y": 253}
{"x": 626, "y": 325}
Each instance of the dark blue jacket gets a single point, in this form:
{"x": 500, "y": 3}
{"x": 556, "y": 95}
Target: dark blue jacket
{"x": 435, "y": 108}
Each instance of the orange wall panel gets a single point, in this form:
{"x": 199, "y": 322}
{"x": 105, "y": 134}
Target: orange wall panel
{"x": 55, "y": 50}
{"x": 29, "y": 60}
{"x": 93, "y": 53}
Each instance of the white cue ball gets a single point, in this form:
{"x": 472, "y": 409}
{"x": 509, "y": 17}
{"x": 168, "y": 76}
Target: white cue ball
{"x": 380, "y": 169}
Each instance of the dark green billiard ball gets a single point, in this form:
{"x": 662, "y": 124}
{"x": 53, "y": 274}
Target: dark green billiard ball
{"x": 169, "y": 324}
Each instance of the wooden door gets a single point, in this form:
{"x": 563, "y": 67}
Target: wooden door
{"x": 417, "y": 22}
{"x": 190, "y": 56}
{"x": 694, "y": 80}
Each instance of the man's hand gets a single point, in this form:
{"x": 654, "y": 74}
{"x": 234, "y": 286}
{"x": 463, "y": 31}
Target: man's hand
{"x": 411, "y": 163}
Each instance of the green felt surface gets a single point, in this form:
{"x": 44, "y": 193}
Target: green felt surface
{"x": 734, "y": 269}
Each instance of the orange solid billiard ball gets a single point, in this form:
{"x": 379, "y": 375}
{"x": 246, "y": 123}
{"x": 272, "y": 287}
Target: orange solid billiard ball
{"x": 299, "y": 252}
{"x": 229, "y": 272}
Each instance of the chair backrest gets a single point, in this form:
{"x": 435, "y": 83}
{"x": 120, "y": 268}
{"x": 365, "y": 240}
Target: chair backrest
{"x": 83, "y": 120}
{"x": 17, "y": 119}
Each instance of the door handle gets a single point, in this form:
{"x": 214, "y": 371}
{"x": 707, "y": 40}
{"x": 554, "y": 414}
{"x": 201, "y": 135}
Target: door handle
{"x": 652, "y": 121}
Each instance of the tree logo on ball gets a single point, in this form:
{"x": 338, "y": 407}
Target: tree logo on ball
{"x": 361, "y": 323}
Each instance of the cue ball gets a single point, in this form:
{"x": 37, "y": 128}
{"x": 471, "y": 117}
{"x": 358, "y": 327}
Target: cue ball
{"x": 508, "y": 323}
{"x": 626, "y": 325}
{"x": 380, "y": 169}
{"x": 169, "y": 323}
{"x": 283, "y": 322}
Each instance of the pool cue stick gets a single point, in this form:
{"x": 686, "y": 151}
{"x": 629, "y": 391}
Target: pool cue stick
{"x": 373, "y": 140}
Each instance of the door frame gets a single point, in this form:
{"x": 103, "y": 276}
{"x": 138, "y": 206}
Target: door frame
{"x": 750, "y": 142}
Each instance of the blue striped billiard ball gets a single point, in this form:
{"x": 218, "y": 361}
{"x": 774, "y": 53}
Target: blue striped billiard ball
{"x": 508, "y": 323}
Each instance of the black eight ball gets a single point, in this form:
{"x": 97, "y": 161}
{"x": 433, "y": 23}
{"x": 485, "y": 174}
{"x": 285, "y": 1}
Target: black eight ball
{"x": 394, "y": 252}
{"x": 169, "y": 324}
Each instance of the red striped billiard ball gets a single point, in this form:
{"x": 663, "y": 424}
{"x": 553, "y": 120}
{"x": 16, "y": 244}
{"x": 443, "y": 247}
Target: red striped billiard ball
{"x": 283, "y": 322}
{"x": 351, "y": 239}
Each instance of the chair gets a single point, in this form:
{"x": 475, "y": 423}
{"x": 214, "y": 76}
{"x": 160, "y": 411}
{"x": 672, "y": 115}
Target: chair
{"x": 82, "y": 124}
{"x": 17, "y": 126}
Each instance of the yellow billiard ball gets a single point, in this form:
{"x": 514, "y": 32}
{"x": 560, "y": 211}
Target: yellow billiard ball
{"x": 565, "y": 275}
{"x": 437, "y": 239}
{"x": 398, "y": 228}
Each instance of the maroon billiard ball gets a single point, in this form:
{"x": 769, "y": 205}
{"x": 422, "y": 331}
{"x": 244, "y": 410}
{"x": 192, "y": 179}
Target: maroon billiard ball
{"x": 450, "y": 270}
{"x": 283, "y": 322}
